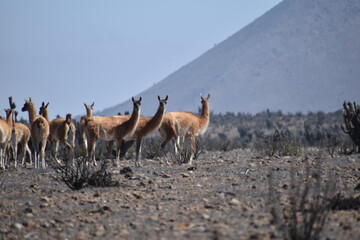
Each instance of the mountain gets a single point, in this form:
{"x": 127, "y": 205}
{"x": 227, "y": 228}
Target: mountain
{"x": 302, "y": 55}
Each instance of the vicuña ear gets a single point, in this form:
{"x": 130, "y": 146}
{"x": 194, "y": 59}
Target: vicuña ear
{"x": 166, "y": 98}
{"x": 92, "y": 105}
{"x": 47, "y": 105}
{"x": 208, "y": 97}
{"x": 133, "y": 99}
{"x": 140, "y": 99}
{"x": 159, "y": 98}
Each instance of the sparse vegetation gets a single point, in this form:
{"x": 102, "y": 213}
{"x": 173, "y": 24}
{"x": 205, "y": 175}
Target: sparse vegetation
{"x": 307, "y": 209}
{"x": 82, "y": 175}
{"x": 279, "y": 144}
{"x": 351, "y": 124}
{"x": 183, "y": 155}
{"x": 150, "y": 148}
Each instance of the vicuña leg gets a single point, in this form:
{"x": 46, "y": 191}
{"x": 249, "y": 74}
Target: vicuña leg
{"x": 138, "y": 152}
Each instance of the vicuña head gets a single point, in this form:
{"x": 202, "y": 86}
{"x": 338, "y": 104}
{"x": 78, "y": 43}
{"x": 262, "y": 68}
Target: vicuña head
{"x": 89, "y": 109}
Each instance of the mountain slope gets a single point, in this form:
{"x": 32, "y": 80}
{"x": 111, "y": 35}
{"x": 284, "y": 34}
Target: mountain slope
{"x": 301, "y": 55}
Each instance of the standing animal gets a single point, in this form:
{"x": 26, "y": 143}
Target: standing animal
{"x": 20, "y": 135}
{"x": 61, "y": 130}
{"x": 183, "y": 125}
{"x": 111, "y": 128}
{"x": 5, "y": 137}
{"x": 40, "y": 130}
{"x": 89, "y": 112}
{"x": 146, "y": 126}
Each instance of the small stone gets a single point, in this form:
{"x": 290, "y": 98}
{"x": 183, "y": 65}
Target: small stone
{"x": 81, "y": 236}
{"x": 234, "y": 202}
{"x": 46, "y": 225}
{"x": 4, "y": 230}
{"x": 123, "y": 232}
{"x": 205, "y": 216}
{"x": 30, "y": 224}
{"x": 46, "y": 199}
{"x": 18, "y": 226}
{"x": 184, "y": 226}
{"x": 28, "y": 210}
{"x": 44, "y": 205}
{"x": 137, "y": 196}
{"x": 99, "y": 231}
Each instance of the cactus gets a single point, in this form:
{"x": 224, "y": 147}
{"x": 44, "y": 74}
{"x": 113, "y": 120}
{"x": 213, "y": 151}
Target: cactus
{"x": 351, "y": 124}
{"x": 11, "y": 103}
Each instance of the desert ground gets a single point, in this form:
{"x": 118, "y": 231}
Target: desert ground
{"x": 224, "y": 195}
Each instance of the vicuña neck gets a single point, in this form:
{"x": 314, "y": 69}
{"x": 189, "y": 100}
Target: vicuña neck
{"x": 135, "y": 115}
{"x": 32, "y": 113}
{"x": 9, "y": 119}
{"x": 45, "y": 114}
{"x": 205, "y": 110}
{"x": 158, "y": 116}
{"x": 88, "y": 112}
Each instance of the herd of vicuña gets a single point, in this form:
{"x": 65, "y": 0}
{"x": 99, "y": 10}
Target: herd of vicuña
{"x": 173, "y": 126}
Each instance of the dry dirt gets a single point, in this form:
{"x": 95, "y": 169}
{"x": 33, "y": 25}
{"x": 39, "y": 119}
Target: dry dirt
{"x": 216, "y": 199}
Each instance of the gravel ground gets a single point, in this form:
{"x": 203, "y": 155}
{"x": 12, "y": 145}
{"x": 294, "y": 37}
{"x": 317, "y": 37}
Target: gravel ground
{"x": 224, "y": 195}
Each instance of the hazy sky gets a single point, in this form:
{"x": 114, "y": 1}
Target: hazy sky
{"x": 74, "y": 51}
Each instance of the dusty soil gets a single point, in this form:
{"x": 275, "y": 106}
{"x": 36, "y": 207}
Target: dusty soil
{"x": 217, "y": 199}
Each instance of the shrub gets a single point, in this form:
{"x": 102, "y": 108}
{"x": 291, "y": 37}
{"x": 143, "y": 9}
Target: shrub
{"x": 280, "y": 143}
{"x": 82, "y": 175}
{"x": 150, "y": 147}
{"x": 351, "y": 124}
{"x": 183, "y": 155}
{"x": 308, "y": 207}
{"x": 332, "y": 142}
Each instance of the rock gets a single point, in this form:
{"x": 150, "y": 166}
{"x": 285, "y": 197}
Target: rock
{"x": 184, "y": 226}
{"x": 4, "y": 230}
{"x": 46, "y": 199}
{"x": 205, "y": 216}
{"x": 123, "y": 232}
{"x": 192, "y": 168}
{"x": 134, "y": 225}
{"x": 99, "y": 231}
{"x": 166, "y": 175}
{"x": 137, "y": 196}
{"x": 28, "y": 210}
{"x": 125, "y": 170}
{"x": 234, "y": 202}
{"x": 18, "y": 226}
{"x": 81, "y": 236}
{"x": 30, "y": 224}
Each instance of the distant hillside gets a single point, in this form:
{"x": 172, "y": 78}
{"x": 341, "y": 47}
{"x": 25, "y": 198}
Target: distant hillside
{"x": 301, "y": 55}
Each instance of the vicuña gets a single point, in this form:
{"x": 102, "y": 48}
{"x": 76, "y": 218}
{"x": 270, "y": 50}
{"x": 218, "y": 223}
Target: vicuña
{"x": 183, "y": 125}
{"x": 61, "y": 130}
{"x": 111, "y": 128}
{"x": 40, "y": 129}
